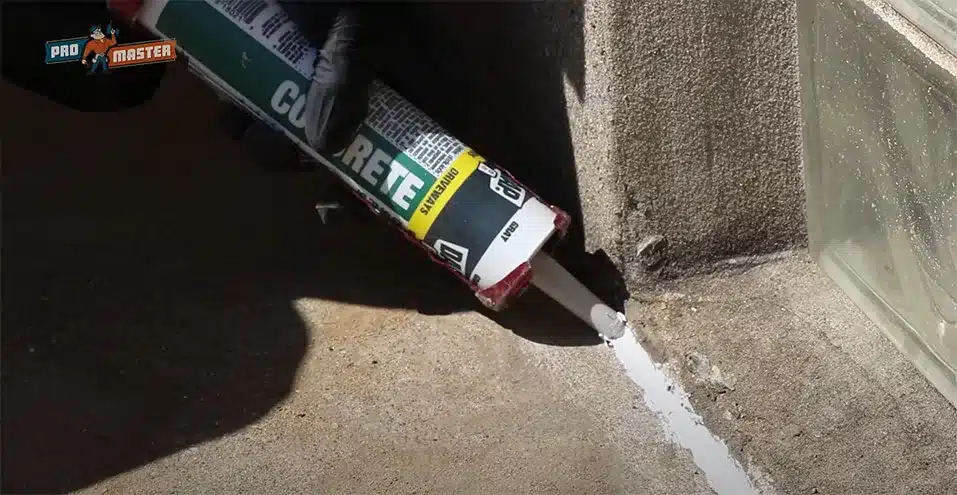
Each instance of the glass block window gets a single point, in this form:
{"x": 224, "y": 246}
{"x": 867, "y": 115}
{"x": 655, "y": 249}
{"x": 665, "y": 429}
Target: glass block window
{"x": 937, "y": 18}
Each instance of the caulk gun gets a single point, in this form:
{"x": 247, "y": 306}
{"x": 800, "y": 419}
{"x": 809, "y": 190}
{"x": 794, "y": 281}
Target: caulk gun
{"x": 467, "y": 213}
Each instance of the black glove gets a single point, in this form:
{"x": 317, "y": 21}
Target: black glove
{"x": 350, "y": 37}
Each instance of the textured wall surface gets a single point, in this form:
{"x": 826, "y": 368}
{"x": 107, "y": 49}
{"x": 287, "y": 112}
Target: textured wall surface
{"x": 704, "y": 126}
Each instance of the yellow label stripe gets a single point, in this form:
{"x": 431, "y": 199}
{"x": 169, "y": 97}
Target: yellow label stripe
{"x": 442, "y": 190}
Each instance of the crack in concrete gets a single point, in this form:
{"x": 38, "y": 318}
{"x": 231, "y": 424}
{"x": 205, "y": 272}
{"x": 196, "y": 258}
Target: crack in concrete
{"x": 665, "y": 397}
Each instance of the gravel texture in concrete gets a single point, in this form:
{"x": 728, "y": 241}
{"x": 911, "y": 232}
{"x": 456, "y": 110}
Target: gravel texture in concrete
{"x": 786, "y": 368}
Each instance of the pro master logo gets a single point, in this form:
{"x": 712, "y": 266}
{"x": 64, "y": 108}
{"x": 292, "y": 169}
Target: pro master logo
{"x": 100, "y": 52}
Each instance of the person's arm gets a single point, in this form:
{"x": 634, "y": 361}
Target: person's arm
{"x": 112, "y": 41}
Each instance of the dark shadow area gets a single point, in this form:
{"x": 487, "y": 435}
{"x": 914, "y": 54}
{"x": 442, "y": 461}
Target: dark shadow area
{"x": 149, "y": 265}
{"x": 27, "y": 26}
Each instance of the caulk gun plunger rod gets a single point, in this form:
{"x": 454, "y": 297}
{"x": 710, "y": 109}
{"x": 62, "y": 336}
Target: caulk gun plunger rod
{"x": 561, "y": 286}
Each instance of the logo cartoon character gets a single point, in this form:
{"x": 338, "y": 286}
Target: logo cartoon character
{"x": 98, "y": 46}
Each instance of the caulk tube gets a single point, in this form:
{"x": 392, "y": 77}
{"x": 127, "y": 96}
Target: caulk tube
{"x": 469, "y": 214}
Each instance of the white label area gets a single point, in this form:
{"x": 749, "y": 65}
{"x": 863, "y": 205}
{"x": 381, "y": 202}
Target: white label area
{"x": 521, "y": 237}
{"x": 411, "y": 131}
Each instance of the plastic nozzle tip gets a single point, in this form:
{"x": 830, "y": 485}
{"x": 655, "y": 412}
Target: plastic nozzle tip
{"x": 617, "y": 329}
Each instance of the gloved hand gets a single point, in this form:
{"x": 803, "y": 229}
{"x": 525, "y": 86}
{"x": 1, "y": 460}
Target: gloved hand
{"x": 349, "y": 36}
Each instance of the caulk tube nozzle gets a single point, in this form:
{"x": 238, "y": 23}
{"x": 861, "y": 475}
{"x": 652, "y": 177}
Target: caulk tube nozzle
{"x": 561, "y": 286}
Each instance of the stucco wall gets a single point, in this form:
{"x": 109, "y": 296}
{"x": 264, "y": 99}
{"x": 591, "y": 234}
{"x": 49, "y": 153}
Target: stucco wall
{"x": 706, "y": 131}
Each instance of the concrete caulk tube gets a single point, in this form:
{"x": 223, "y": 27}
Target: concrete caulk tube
{"x": 469, "y": 214}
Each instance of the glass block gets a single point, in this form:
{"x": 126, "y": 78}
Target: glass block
{"x": 937, "y": 18}
{"x": 881, "y": 168}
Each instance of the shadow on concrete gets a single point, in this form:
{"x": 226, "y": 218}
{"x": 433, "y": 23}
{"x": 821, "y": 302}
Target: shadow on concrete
{"x": 149, "y": 266}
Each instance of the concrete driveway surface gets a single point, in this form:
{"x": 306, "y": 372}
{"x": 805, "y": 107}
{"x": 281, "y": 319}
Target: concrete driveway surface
{"x": 178, "y": 320}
